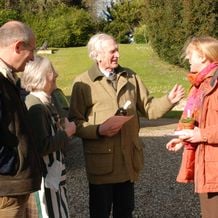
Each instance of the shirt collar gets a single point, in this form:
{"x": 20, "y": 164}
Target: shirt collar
{"x": 95, "y": 73}
{"x": 44, "y": 97}
{"x": 106, "y": 73}
{"x": 7, "y": 72}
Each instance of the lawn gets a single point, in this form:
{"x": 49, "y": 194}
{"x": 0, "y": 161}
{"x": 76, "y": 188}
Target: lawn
{"x": 158, "y": 76}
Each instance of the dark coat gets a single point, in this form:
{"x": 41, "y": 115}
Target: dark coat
{"x": 20, "y": 170}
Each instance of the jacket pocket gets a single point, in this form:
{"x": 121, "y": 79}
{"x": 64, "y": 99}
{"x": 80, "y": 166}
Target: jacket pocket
{"x": 137, "y": 156}
{"x": 99, "y": 158}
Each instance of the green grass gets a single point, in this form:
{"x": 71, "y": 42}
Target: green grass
{"x": 69, "y": 62}
{"x": 157, "y": 75}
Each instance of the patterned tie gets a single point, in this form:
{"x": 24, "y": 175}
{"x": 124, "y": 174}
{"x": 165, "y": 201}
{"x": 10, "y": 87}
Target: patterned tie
{"x": 113, "y": 79}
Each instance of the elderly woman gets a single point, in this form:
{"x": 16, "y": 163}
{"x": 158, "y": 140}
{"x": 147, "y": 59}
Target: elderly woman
{"x": 39, "y": 78}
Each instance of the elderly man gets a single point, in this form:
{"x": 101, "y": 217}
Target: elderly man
{"x": 113, "y": 150}
{"x": 19, "y": 164}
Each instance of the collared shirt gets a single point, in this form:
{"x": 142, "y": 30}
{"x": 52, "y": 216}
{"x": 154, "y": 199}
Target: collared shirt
{"x": 111, "y": 77}
{"x": 7, "y": 72}
{"x": 106, "y": 73}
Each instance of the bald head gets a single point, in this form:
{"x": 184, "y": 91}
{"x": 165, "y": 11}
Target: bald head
{"x": 17, "y": 45}
{"x": 13, "y": 31}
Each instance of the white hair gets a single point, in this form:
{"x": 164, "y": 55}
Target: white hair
{"x": 95, "y": 44}
{"x": 35, "y": 73}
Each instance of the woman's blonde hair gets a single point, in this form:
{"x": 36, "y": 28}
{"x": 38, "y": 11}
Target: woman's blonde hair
{"x": 207, "y": 46}
{"x": 35, "y": 73}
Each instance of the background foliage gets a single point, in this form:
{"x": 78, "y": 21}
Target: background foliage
{"x": 158, "y": 76}
{"x": 170, "y": 23}
{"x": 165, "y": 25}
{"x": 121, "y": 18}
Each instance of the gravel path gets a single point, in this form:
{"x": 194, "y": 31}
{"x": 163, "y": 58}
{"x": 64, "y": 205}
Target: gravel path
{"x": 157, "y": 195}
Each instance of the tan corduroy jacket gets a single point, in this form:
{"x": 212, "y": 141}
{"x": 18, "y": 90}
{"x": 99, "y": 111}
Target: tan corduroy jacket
{"x": 93, "y": 100}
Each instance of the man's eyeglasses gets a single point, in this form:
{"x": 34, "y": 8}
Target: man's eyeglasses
{"x": 29, "y": 48}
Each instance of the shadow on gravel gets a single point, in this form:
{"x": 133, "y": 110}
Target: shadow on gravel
{"x": 158, "y": 122}
{"x": 157, "y": 195}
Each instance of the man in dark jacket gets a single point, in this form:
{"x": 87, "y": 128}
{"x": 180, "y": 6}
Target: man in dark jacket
{"x": 19, "y": 164}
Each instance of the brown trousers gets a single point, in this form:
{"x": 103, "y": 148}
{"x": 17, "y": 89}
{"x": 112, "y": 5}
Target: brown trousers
{"x": 13, "y": 206}
{"x": 209, "y": 205}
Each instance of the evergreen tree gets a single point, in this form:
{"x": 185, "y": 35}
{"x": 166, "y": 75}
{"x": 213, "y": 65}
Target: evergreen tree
{"x": 170, "y": 23}
{"x": 121, "y": 18}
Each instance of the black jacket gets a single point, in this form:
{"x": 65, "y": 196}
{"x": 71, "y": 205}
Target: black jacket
{"x": 20, "y": 171}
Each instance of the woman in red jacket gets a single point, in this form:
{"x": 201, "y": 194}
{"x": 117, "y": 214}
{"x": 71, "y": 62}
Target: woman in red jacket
{"x": 200, "y": 154}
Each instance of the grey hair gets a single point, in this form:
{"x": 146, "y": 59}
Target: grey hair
{"x": 35, "y": 73}
{"x": 95, "y": 44}
{"x": 13, "y": 31}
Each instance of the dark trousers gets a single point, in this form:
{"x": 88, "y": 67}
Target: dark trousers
{"x": 118, "y": 195}
{"x": 209, "y": 205}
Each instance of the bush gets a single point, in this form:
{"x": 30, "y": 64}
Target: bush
{"x": 8, "y": 14}
{"x": 140, "y": 34}
{"x": 82, "y": 27}
{"x": 62, "y": 26}
{"x": 38, "y": 24}
{"x": 170, "y": 23}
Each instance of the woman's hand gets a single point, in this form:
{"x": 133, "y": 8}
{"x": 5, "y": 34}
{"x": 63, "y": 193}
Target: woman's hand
{"x": 193, "y": 136}
{"x": 174, "y": 144}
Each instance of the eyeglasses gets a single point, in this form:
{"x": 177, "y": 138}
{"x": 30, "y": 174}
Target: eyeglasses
{"x": 29, "y": 48}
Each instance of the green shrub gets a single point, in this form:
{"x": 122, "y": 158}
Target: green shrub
{"x": 8, "y": 14}
{"x": 81, "y": 26}
{"x": 140, "y": 34}
{"x": 62, "y": 26}
{"x": 170, "y": 23}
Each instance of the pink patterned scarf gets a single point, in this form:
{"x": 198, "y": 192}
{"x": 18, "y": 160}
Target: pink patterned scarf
{"x": 195, "y": 96}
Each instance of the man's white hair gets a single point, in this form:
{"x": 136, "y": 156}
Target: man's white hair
{"x": 95, "y": 44}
